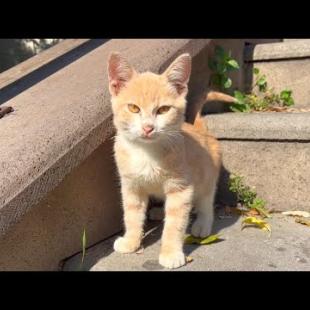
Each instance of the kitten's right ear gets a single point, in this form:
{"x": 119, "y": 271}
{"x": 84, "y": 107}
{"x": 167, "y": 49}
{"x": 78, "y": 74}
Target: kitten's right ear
{"x": 119, "y": 71}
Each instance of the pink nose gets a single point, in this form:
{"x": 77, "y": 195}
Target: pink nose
{"x": 148, "y": 129}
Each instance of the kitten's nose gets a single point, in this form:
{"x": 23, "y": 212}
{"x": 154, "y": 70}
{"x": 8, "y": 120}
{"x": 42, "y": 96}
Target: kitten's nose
{"x": 148, "y": 129}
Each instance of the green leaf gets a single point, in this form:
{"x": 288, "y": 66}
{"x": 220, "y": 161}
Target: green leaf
{"x": 236, "y": 107}
{"x": 220, "y": 68}
{"x": 216, "y": 79}
{"x": 219, "y": 51}
{"x": 212, "y": 64}
{"x": 286, "y": 97}
{"x": 233, "y": 64}
{"x": 251, "y": 220}
{"x": 285, "y": 94}
{"x": 262, "y": 81}
{"x": 256, "y": 71}
{"x": 189, "y": 239}
{"x": 239, "y": 96}
{"x": 289, "y": 102}
{"x": 227, "y": 82}
{"x": 209, "y": 239}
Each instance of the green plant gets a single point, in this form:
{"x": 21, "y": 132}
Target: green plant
{"x": 247, "y": 196}
{"x": 83, "y": 247}
{"x": 261, "y": 98}
{"x": 220, "y": 64}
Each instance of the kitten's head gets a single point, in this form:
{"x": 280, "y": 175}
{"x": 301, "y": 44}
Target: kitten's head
{"x": 148, "y": 107}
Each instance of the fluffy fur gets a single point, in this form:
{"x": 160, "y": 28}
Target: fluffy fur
{"x": 176, "y": 161}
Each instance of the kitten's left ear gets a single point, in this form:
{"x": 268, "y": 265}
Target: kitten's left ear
{"x": 178, "y": 73}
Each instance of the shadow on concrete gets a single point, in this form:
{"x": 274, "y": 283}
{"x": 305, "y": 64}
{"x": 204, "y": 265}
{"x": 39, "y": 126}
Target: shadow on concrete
{"x": 223, "y": 198}
{"x": 10, "y": 91}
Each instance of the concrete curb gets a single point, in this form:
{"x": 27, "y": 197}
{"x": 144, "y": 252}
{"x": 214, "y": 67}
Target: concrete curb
{"x": 274, "y": 51}
{"x": 260, "y": 126}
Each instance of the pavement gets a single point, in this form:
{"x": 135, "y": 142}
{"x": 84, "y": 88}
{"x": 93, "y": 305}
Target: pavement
{"x": 287, "y": 248}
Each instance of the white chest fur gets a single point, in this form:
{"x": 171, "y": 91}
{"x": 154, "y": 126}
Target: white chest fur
{"x": 143, "y": 165}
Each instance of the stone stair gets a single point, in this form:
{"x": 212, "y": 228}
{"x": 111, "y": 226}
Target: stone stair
{"x": 270, "y": 149}
{"x": 286, "y": 65}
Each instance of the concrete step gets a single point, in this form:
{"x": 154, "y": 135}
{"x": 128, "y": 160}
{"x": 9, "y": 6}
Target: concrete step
{"x": 286, "y": 65}
{"x": 250, "y": 249}
{"x": 272, "y": 152}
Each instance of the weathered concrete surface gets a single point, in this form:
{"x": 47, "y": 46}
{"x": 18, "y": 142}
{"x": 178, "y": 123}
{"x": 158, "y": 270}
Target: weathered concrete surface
{"x": 280, "y": 172}
{"x": 272, "y": 152}
{"x": 280, "y": 50}
{"x": 286, "y": 66}
{"x": 62, "y": 119}
{"x": 87, "y": 198}
{"x": 286, "y": 249}
{"x": 289, "y": 74}
{"x": 256, "y": 126}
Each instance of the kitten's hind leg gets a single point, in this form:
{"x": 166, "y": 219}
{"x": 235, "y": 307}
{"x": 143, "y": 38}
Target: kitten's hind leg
{"x": 202, "y": 226}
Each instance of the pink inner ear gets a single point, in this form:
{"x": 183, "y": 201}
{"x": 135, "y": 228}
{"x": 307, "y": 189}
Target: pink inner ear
{"x": 116, "y": 85}
{"x": 120, "y": 72}
{"x": 180, "y": 88}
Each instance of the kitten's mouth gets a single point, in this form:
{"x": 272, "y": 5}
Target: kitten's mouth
{"x": 148, "y": 138}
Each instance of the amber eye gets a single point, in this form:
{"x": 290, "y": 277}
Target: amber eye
{"x": 163, "y": 109}
{"x": 133, "y": 108}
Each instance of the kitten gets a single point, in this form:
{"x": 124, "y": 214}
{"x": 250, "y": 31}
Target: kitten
{"x": 158, "y": 154}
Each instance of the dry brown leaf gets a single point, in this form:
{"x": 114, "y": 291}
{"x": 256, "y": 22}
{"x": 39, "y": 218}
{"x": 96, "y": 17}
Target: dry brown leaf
{"x": 252, "y": 212}
{"x": 302, "y": 221}
{"x": 297, "y": 213}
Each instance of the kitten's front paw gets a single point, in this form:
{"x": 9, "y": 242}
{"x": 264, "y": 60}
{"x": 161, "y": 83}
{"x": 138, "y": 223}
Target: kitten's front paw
{"x": 172, "y": 260}
{"x": 201, "y": 227}
{"x": 125, "y": 245}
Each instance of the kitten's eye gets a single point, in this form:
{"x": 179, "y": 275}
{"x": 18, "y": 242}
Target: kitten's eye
{"x": 163, "y": 109}
{"x": 133, "y": 108}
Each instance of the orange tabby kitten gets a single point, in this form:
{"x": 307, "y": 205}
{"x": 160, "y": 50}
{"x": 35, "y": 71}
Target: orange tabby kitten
{"x": 158, "y": 154}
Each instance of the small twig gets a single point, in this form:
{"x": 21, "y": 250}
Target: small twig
{"x": 5, "y": 110}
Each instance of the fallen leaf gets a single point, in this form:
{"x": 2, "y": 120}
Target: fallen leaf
{"x": 257, "y": 222}
{"x": 302, "y": 221}
{"x": 252, "y": 212}
{"x": 263, "y": 212}
{"x": 297, "y": 213}
{"x": 189, "y": 259}
{"x": 209, "y": 239}
{"x": 202, "y": 241}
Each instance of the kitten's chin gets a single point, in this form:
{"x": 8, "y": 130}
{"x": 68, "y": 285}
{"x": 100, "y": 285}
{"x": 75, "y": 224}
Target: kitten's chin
{"x": 148, "y": 140}
{"x": 141, "y": 139}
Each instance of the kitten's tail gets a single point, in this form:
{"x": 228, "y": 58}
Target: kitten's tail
{"x": 199, "y": 123}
